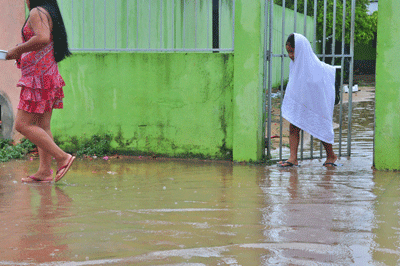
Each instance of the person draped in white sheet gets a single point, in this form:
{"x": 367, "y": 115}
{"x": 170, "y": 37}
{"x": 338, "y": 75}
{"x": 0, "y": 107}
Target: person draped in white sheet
{"x": 309, "y": 98}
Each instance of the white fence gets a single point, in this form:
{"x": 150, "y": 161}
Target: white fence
{"x": 149, "y": 25}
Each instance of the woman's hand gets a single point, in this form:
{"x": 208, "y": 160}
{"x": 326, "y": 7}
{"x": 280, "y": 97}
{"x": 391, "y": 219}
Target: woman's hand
{"x": 13, "y": 53}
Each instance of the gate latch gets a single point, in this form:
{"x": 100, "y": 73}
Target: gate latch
{"x": 268, "y": 55}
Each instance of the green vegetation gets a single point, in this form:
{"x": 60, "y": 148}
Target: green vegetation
{"x": 277, "y": 86}
{"x": 366, "y": 25}
{"x": 8, "y": 151}
{"x": 98, "y": 145}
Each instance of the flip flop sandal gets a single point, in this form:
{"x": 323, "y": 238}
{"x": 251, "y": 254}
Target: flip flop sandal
{"x": 65, "y": 168}
{"x": 288, "y": 164}
{"x": 332, "y": 164}
{"x": 33, "y": 179}
{"x": 329, "y": 164}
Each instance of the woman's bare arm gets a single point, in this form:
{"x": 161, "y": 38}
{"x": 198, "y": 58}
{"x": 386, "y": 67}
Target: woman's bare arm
{"x": 39, "y": 21}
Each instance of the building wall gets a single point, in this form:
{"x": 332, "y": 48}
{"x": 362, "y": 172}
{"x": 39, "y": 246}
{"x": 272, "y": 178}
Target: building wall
{"x": 172, "y": 104}
{"x": 207, "y": 105}
{"x": 373, "y": 6}
{"x": 11, "y": 21}
{"x": 387, "y": 113}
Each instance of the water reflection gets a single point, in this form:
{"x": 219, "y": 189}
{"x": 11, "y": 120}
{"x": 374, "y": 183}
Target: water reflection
{"x": 136, "y": 212}
{"x": 31, "y": 215}
{"x": 41, "y": 243}
{"x": 327, "y": 213}
{"x": 387, "y": 214}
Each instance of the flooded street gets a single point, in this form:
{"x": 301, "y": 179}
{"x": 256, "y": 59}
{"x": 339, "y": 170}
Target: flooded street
{"x": 192, "y": 213}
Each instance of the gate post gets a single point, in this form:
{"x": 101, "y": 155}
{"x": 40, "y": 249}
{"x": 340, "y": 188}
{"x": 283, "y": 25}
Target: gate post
{"x": 248, "y": 109}
{"x": 387, "y": 96}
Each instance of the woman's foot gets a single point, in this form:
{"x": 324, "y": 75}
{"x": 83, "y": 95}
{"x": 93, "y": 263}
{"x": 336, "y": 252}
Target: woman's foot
{"x": 330, "y": 161}
{"x": 64, "y": 161}
{"x": 39, "y": 177}
{"x": 63, "y": 167}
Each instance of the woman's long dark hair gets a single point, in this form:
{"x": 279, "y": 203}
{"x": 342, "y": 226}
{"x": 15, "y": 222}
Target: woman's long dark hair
{"x": 59, "y": 33}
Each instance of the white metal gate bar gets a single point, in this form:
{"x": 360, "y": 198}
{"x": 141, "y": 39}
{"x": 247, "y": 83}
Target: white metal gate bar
{"x": 268, "y": 66}
{"x": 341, "y": 77}
{"x": 158, "y": 21}
{"x": 353, "y": 17}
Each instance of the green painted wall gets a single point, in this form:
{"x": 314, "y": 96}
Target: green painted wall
{"x": 249, "y": 109}
{"x": 387, "y": 112}
{"x": 248, "y": 116}
{"x": 171, "y": 104}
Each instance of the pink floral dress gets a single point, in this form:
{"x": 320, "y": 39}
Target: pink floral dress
{"x": 41, "y": 82}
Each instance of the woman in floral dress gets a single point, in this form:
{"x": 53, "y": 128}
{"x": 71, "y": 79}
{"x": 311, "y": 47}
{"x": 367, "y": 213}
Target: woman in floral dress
{"x": 44, "y": 45}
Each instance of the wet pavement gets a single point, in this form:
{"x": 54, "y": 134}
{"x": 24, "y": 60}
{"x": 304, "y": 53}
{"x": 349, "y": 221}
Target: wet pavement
{"x": 190, "y": 213}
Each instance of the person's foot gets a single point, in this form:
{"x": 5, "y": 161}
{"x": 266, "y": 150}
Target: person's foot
{"x": 64, "y": 161}
{"x": 39, "y": 176}
{"x": 288, "y": 163}
{"x": 330, "y": 161}
{"x": 63, "y": 167}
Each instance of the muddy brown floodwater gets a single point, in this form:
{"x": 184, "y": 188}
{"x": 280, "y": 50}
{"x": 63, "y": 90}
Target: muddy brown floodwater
{"x": 193, "y": 213}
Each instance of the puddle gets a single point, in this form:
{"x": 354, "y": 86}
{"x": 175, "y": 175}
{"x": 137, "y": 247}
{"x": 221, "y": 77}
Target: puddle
{"x": 192, "y": 213}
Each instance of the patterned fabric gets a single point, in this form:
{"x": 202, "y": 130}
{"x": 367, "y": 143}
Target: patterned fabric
{"x": 41, "y": 82}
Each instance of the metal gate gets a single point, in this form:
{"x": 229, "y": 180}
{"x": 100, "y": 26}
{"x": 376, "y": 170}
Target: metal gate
{"x": 323, "y": 37}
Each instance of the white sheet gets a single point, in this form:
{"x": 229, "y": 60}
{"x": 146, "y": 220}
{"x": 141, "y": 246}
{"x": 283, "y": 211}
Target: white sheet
{"x": 310, "y": 94}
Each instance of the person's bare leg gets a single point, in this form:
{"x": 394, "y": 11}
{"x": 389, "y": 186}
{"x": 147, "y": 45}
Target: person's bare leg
{"x": 44, "y": 171}
{"x": 294, "y": 139}
{"x": 25, "y": 124}
{"x": 330, "y": 154}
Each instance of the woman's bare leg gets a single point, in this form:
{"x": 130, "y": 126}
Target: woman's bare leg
{"x": 330, "y": 154}
{"x": 26, "y": 124}
{"x": 44, "y": 157}
{"x": 294, "y": 139}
